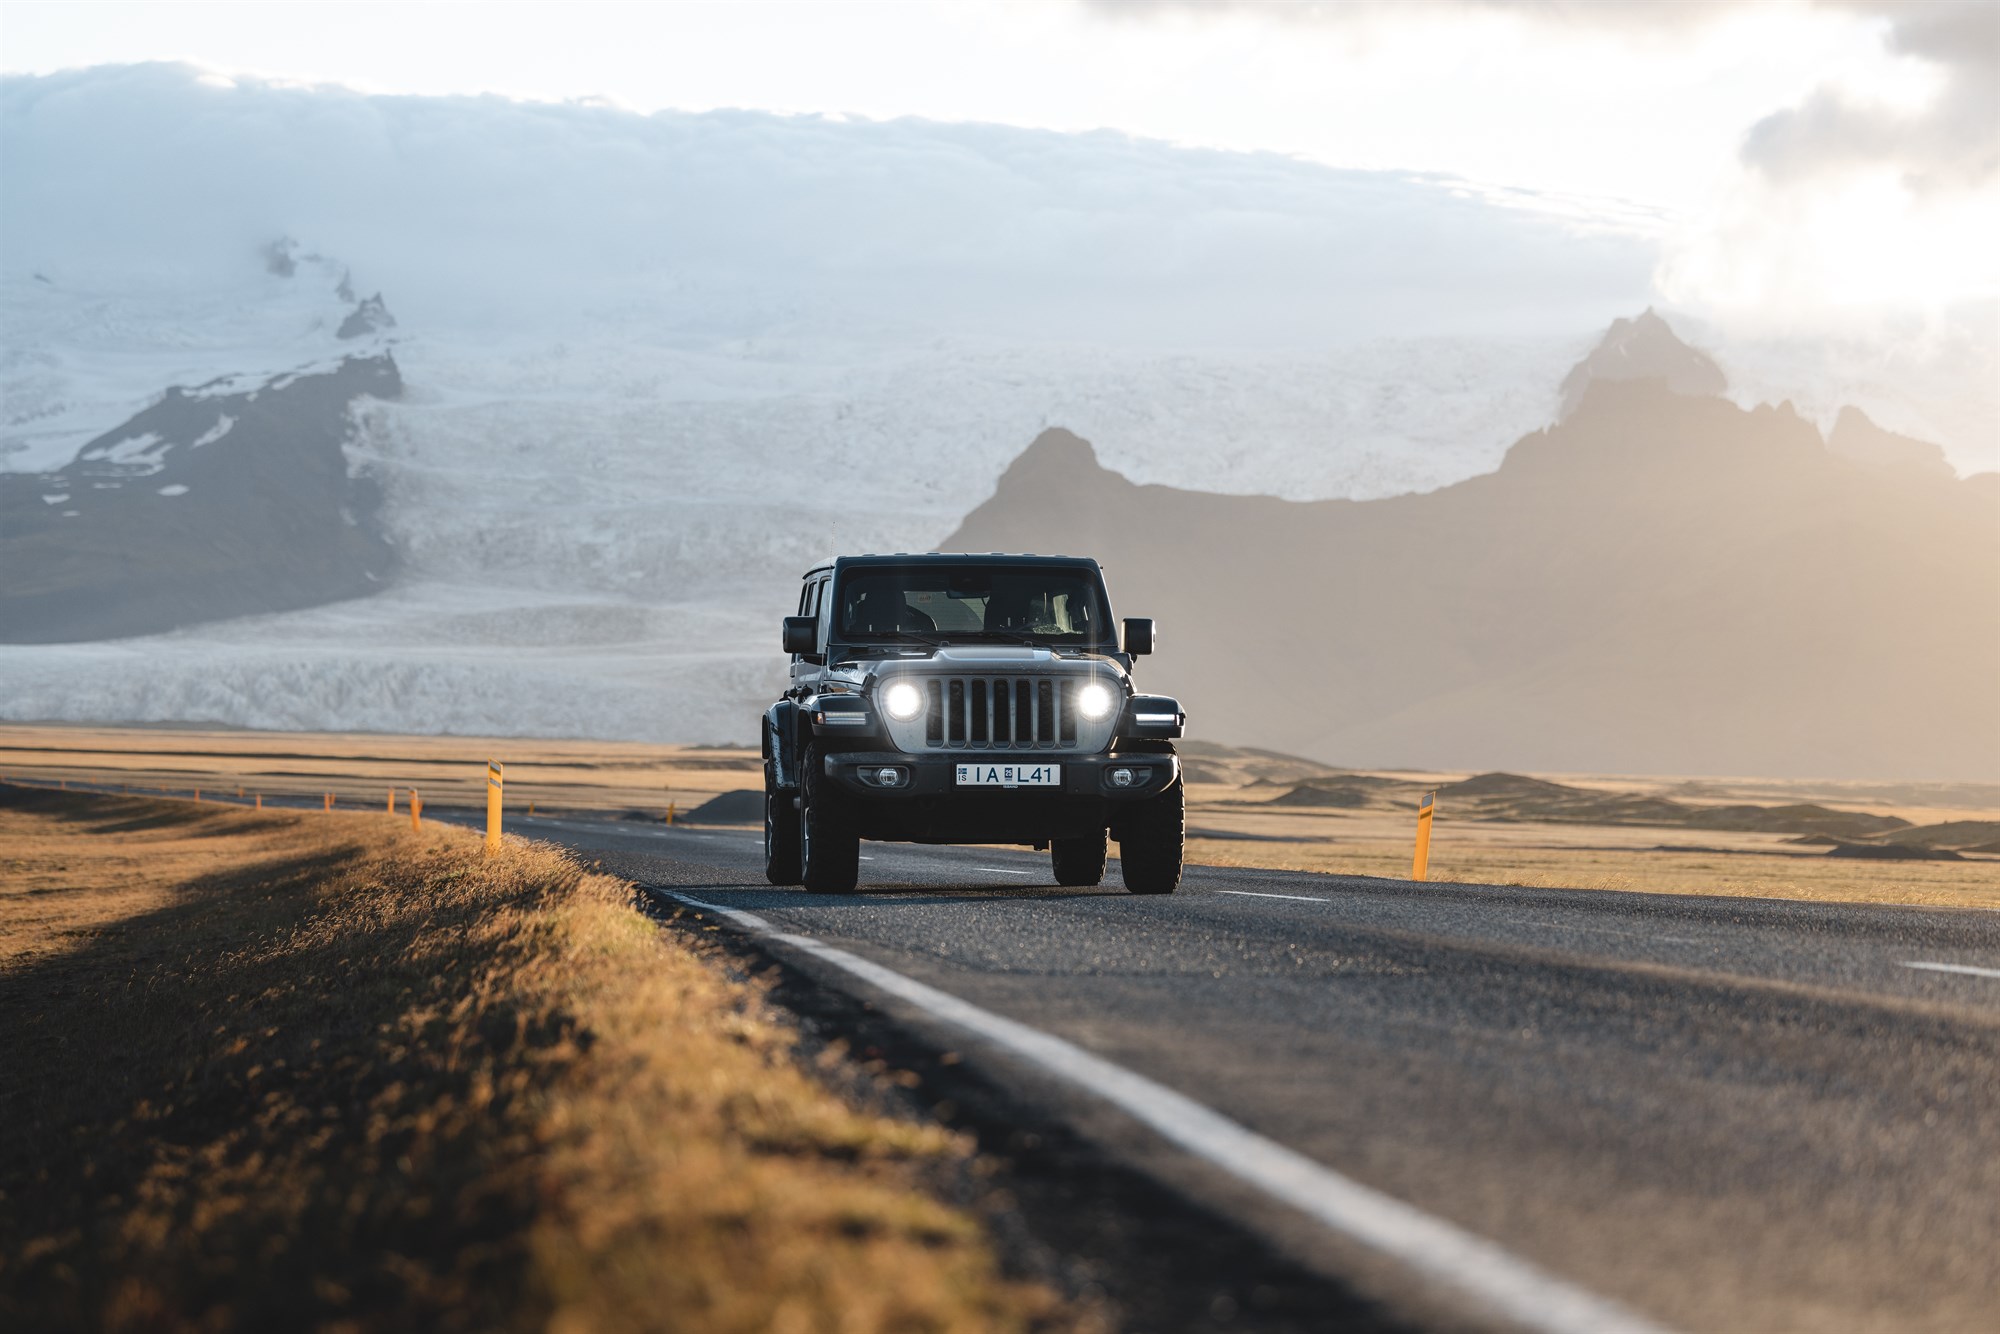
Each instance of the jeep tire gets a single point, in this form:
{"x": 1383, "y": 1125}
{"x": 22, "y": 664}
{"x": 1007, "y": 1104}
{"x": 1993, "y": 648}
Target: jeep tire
{"x": 1079, "y": 861}
{"x": 829, "y": 847}
{"x": 1149, "y": 843}
{"x": 781, "y": 833}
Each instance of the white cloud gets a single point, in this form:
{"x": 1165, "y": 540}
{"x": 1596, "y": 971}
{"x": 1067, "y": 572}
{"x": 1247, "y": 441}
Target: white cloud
{"x": 471, "y": 210}
{"x": 1950, "y": 140}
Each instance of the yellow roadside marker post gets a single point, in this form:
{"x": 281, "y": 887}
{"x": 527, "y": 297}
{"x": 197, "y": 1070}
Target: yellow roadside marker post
{"x": 1421, "y": 867}
{"x": 260, "y": 801}
{"x": 496, "y": 774}
{"x": 416, "y": 809}
{"x": 326, "y": 801}
{"x": 197, "y": 794}
{"x": 670, "y": 812}
{"x": 392, "y": 801}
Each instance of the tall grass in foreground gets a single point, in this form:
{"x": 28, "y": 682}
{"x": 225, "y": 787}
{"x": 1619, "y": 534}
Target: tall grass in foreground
{"x": 324, "y": 1071}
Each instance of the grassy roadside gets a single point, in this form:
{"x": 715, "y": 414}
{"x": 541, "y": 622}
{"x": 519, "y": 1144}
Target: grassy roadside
{"x": 1471, "y": 855}
{"x": 281, "y": 1070}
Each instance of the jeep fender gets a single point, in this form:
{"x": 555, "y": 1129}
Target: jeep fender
{"x": 1152, "y": 718}
{"x": 781, "y": 744}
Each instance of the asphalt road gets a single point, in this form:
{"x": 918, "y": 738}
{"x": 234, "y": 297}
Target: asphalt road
{"x": 1720, "y": 1114}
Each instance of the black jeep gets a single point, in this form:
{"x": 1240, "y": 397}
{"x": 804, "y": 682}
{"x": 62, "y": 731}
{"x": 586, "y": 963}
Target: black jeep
{"x": 968, "y": 699}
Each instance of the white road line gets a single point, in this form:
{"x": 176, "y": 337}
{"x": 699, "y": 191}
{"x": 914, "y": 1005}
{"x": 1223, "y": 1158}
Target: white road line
{"x": 1441, "y": 1251}
{"x": 1965, "y": 968}
{"x": 1001, "y": 870}
{"x": 1253, "y": 894}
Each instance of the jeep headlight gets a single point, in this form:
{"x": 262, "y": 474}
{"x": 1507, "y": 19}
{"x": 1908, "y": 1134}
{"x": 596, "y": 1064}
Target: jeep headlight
{"x": 902, "y": 701}
{"x": 1093, "y": 701}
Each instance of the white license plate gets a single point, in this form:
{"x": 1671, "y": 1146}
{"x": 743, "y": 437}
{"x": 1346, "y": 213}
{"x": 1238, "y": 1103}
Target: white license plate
{"x": 1010, "y": 775}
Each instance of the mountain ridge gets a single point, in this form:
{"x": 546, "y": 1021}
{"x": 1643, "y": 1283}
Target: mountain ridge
{"x": 1659, "y": 582}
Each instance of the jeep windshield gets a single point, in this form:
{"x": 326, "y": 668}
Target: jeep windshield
{"x": 1013, "y": 604}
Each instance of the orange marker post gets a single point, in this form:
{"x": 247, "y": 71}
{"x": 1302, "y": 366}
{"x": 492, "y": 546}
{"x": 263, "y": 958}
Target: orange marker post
{"x": 392, "y": 801}
{"x": 416, "y": 809}
{"x": 1420, "y": 868}
{"x": 496, "y": 775}
{"x": 260, "y": 801}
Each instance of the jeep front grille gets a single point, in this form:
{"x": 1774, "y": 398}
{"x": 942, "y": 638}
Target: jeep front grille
{"x": 1002, "y": 713}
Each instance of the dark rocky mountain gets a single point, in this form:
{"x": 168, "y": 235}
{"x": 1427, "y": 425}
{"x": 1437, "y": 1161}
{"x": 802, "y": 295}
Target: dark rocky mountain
{"x": 1645, "y": 348}
{"x": 367, "y": 317}
{"x": 1663, "y": 582}
{"x": 208, "y": 504}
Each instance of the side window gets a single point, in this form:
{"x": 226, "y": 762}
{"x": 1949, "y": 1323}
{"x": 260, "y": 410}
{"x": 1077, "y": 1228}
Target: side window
{"x": 805, "y": 596}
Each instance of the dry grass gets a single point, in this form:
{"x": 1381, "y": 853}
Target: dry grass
{"x": 360, "y": 768}
{"x": 305, "y": 1070}
{"x": 1578, "y": 857}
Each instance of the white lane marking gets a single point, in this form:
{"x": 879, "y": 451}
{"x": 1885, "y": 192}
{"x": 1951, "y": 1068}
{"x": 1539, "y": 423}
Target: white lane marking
{"x": 1253, "y": 894}
{"x": 1956, "y": 968}
{"x": 1441, "y": 1251}
{"x": 1001, "y": 870}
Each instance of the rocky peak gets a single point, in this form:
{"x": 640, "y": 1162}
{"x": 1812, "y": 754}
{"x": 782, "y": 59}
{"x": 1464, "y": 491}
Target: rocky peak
{"x": 371, "y": 316}
{"x": 1645, "y": 348}
{"x": 1055, "y": 455}
{"x": 1859, "y": 440}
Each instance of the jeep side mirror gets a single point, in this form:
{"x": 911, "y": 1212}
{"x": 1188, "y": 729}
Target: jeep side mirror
{"x": 801, "y": 634}
{"x": 1138, "y": 635}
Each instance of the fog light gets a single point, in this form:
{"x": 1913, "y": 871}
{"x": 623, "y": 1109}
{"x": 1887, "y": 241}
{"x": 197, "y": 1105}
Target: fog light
{"x": 1121, "y": 778}
{"x": 889, "y": 777}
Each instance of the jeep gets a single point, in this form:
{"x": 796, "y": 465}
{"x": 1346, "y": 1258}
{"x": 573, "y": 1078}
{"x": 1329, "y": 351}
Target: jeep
{"x": 968, "y": 699}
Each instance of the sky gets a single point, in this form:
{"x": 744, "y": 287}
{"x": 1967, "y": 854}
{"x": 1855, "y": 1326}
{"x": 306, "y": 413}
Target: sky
{"x": 1800, "y": 165}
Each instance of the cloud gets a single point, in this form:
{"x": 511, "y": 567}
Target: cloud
{"x": 483, "y": 209}
{"x": 1952, "y": 141}
{"x": 1626, "y": 15}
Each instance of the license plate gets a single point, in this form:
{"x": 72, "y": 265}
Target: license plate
{"x": 1010, "y": 775}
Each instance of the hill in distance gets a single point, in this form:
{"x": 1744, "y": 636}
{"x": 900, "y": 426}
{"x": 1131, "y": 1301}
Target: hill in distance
{"x": 1661, "y": 582}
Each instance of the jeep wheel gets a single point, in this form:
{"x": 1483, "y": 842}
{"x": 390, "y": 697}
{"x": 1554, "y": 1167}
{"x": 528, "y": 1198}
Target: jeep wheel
{"x": 829, "y": 849}
{"x": 1079, "y": 861}
{"x": 781, "y": 835}
{"x": 1149, "y": 846}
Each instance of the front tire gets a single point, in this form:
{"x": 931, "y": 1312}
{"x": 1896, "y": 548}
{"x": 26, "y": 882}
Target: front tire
{"x": 782, "y": 860}
{"x": 1150, "y": 843}
{"x": 829, "y": 847}
{"x": 1079, "y": 861}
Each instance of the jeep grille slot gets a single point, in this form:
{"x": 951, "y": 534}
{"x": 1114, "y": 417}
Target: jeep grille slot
{"x": 1001, "y": 713}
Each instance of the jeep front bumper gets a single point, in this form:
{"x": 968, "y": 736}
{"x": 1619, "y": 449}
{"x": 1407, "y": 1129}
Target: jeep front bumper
{"x": 1107, "y": 776}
